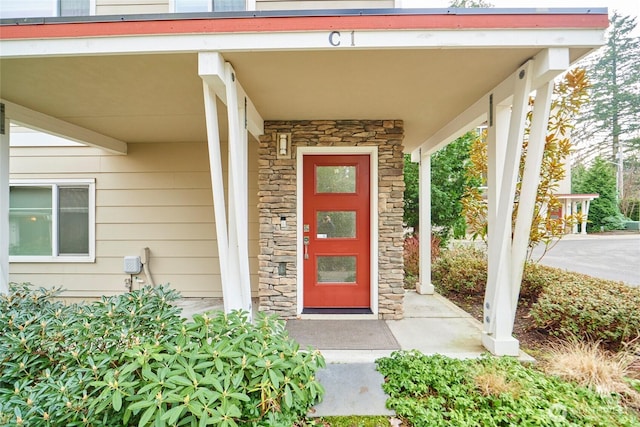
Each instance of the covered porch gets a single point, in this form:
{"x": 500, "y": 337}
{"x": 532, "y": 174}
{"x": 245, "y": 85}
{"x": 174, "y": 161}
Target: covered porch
{"x": 231, "y": 83}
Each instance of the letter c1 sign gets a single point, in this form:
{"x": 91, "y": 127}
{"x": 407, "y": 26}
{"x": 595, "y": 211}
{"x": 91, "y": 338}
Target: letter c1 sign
{"x": 334, "y": 38}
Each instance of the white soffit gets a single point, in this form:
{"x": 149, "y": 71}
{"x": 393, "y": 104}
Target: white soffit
{"x": 307, "y": 40}
{"x": 424, "y": 76}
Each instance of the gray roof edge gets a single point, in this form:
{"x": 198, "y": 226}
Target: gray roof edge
{"x": 303, "y": 13}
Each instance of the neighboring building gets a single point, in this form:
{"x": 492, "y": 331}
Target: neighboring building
{"x": 293, "y": 119}
{"x": 573, "y": 204}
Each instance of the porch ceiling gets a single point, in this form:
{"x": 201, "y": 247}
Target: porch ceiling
{"x": 158, "y": 96}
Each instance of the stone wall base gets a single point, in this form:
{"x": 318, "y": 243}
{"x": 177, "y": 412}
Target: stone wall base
{"x": 277, "y": 198}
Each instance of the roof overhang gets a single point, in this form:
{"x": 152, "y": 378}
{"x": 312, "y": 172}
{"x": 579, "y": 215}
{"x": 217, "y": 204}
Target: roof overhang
{"x": 576, "y": 196}
{"x": 133, "y": 79}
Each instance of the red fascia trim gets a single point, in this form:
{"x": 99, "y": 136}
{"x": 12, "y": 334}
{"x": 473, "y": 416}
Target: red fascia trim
{"x": 306, "y": 23}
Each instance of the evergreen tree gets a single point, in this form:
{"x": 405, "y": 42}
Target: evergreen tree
{"x": 611, "y": 120}
{"x": 600, "y": 178}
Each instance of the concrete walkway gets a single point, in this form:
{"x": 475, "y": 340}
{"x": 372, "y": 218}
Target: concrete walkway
{"x": 432, "y": 325}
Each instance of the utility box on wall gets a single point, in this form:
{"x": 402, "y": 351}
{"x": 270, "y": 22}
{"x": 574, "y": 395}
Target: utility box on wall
{"x": 132, "y": 265}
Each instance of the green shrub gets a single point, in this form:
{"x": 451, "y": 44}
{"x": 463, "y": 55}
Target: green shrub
{"x": 537, "y": 277}
{"x": 614, "y": 222}
{"x": 565, "y": 303}
{"x": 463, "y": 270}
{"x": 51, "y": 352}
{"x": 585, "y": 307}
{"x": 438, "y": 391}
{"x": 460, "y": 270}
{"x": 131, "y": 360}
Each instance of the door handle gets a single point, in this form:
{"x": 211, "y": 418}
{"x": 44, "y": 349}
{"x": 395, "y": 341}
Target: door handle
{"x": 305, "y": 241}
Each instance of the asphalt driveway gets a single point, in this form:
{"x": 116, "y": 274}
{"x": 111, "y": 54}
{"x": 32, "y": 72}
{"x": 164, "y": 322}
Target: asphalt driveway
{"x": 608, "y": 256}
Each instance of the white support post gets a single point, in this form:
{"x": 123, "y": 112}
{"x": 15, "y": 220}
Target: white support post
{"x": 497, "y": 134}
{"x": 424, "y": 286}
{"x": 574, "y": 210}
{"x": 585, "y": 215}
{"x": 238, "y": 192}
{"x": 529, "y": 189}
{"x": 4, "y": 207}
{"x": 233, "y": 242}
{"x": 230, "y": 297}
{"x": 499, "y": 339}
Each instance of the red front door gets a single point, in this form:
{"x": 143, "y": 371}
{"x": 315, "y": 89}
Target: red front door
{"x": 336, "y": 231}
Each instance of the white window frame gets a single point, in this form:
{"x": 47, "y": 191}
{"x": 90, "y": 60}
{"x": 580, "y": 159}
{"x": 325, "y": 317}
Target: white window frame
{"x": 92, "y": 7}
{"x": 90, "y": 183}
{"x": 55, "y": 8}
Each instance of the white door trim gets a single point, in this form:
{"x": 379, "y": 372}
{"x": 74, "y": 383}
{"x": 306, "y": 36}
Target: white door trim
{"x": 372, "y": 151}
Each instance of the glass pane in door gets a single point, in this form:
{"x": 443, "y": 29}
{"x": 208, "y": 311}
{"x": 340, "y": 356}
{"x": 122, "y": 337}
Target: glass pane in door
{"x": 336, "y": 224}
{"x": 335, "y": 179}
{"x": 336, "y": 269}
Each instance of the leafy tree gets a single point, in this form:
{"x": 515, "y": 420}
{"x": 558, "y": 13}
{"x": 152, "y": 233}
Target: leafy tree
{"x": 600, "y": 178}
{"x": 612, "y": 118}
{"x": 411, "y": 215}
{"x": 470, "y": 3}
{"x": 569, "y": 96}
{"x": 448, "y": 180}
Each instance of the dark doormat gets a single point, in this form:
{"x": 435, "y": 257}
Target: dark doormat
{"x": 343, "y": 334}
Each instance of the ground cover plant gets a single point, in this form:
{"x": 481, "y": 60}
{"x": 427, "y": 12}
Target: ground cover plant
{"x": 357, "y": 421}
{"x": 438, "y": 391}
{"x": 131, "y": 360}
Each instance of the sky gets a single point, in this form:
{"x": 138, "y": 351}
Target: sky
{"x": 624, "y": 7}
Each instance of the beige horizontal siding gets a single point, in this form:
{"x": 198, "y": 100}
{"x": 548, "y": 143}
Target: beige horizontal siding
{"x": 148, "y": 180}
{"x": 166, "y": 248}
{"x": 157, "y": 196}
{"x": 54, "y": 165}
{"x": 101, "y": 3}
{"x": 198, "y": 285}
{"x": 160, "y": 232}
{"x": 58, "y": 152}
{"x": 88, "y": 285}
{"x": 151, "y": 232}
{"x": 154, "y": 215}
{"x": 154, "y": 197}
{"x": 158, "y": 214}
{"x": 126, "y": 7}
{"x": 116, "y": 7}
{"x": 322, "y": 4}
{"x": 108, "y": 265}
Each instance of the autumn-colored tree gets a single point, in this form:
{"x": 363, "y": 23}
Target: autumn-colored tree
{"x": 569, "y": 95}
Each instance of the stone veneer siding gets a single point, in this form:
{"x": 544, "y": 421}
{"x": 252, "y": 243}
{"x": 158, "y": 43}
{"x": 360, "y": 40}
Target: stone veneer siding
{"x": 277, "y": 197}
